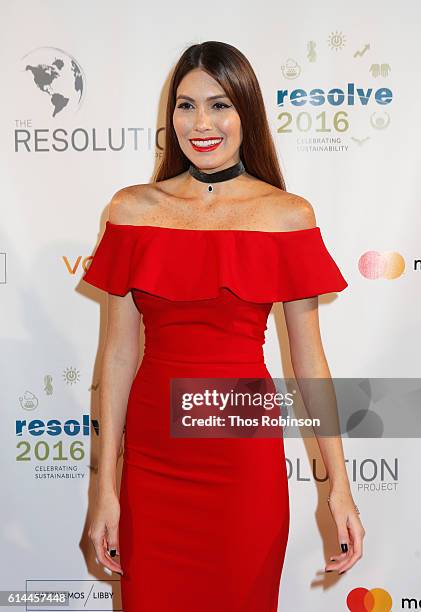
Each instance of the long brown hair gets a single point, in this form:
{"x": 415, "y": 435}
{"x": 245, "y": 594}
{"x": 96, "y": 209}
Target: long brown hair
{"x": 232, "y": 70}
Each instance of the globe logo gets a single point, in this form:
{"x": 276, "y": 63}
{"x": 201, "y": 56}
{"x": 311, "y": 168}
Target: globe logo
{"x": 57, "y": 76}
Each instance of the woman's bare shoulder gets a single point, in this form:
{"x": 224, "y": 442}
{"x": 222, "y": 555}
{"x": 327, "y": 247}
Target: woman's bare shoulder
{"x": 291, "y": 211}
{"x": 132, "y": 204}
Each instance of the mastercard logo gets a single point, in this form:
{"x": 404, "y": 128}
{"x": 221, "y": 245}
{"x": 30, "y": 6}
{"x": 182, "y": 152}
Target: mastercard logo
{"x": 388, "y": 265}
{"x": 373, "y": 600}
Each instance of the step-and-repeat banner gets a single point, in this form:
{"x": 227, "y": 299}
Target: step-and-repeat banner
{"x": 83, "y": 100}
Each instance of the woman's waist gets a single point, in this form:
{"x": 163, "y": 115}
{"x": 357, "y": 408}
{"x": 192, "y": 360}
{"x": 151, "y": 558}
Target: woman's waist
{"x": 161, "y": 365}
{"x": 199, "y": 359}
{"x": 203, "y": 348}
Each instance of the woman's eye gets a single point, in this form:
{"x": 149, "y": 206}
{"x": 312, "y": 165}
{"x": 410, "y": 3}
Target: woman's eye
{"x": 183, "y": 105}
{"x": 222, "y": 104}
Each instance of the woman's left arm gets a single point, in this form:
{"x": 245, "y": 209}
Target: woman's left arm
{"x": 309, "y": 362}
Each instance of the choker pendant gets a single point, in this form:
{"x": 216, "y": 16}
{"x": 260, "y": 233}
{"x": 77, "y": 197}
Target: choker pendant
{"x": 217, "y": 177}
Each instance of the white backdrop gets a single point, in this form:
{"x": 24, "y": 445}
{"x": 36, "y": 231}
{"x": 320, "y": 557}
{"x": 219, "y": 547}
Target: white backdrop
{"x": 357, "y": 161}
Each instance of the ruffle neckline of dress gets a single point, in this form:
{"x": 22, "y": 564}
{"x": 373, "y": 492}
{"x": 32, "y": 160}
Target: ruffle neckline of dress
{"x": 195, "y": 264}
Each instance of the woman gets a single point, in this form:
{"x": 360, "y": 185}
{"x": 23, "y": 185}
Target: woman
{"x": 202, "y": 253}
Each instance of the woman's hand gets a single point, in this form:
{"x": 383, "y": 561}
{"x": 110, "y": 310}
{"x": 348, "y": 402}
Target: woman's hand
{"x": 350, "y": 531}
{"x": 104, "y": 530}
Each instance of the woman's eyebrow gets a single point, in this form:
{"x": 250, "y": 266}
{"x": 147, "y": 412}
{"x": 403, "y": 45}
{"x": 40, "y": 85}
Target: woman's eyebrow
{"x": 208, "y": 98}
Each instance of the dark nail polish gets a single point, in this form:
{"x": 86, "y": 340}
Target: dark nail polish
{"x": 344, "y": 547}
{"x": 113, "y": 552}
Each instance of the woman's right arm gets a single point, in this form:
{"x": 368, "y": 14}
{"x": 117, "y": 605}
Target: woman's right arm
{"x": 119, "y": 364}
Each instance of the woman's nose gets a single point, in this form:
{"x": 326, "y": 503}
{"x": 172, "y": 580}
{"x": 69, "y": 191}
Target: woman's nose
{"x": 202, "y": 119}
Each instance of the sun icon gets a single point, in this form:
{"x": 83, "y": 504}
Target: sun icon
{"x": 71, "y": 376}
{"x": 336, "y": 40}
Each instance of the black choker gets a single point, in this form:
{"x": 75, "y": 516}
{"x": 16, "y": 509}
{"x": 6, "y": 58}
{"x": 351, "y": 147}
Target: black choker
{"x": 217, "y": 177}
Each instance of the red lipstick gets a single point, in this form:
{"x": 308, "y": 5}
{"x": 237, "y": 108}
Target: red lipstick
{"x": 202, "y": 149}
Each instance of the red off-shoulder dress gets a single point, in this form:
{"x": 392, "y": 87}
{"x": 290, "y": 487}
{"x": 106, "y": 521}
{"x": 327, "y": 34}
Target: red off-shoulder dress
{"x": 204, "y": 521}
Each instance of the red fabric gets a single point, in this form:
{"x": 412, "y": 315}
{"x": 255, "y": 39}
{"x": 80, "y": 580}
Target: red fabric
{"x": 182, "y": 264}
{"x": 204, "y": 521}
